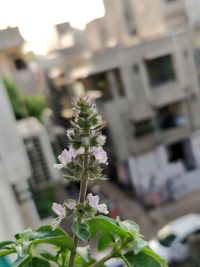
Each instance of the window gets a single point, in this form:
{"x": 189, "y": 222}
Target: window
{"x": 129, "y": 17}
{"x": 20, "y": 64}
{"x": 100, "y": 84}
{"x": 171, "y": 116}
{"x": 39, "y": 167}
{"x": 186, "y": 239}
{"x": 120, "y": 86}
{"x": 165, "y": 237}
{"x": 167, "y": 240}
{"x": 160, "y": 70}
{"x": 143, "y": 128}
{"x": 136, "y": 68}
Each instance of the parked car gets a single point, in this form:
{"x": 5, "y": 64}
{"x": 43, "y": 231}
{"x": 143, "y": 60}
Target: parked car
{"x": 171, "y": 241}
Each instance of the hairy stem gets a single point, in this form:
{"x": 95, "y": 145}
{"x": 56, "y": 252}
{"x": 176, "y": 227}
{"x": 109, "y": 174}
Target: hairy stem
{"x": 82, "y": 196}
{"x": 84, "y": 179}
{"x": 104, "y": 259}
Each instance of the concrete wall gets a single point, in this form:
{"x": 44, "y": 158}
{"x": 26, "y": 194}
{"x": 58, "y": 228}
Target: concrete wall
{"x": 142, "y": 101}
{"x": 149, "y": 18}
{"x": 14, "y": 171}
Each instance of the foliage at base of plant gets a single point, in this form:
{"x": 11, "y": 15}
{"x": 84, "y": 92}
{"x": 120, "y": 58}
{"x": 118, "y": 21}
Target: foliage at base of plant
{"x": 50, "y": 245}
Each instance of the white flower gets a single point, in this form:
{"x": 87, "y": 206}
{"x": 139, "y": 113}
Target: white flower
{"x": 100, "y": 154}
{"x": 67, "y": 155}
{"x": 61, "y": 212}
{"x": 101, "y": 139}
{"x": 102, "y": 208}
{"x": 70, "y": 132}
{"x": 93, "y": 202}
{"x": 70, "y": 204}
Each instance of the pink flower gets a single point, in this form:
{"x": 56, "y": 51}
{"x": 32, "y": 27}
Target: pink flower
{"x": 58, "y": 209}
{"x": 93, "y": 202}
{"x": 61, "y": 212}
{"x": 67, "y": 155}
{"x": 79, "y": 151}
{"x": 88, "y": 100}
{"x": 100, "y": 154}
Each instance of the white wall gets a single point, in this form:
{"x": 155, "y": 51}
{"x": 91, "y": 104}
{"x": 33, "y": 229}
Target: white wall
{"x": 193, "y": 12}
{"x": 14, "y": 170}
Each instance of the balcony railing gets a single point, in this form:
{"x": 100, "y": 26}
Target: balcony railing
{"x": 174, "y": 134}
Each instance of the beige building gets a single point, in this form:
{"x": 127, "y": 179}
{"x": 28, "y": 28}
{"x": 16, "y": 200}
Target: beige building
{"x": 140, "y": 66}
{"x": 138, "y": 86}
{"x": 13, "y": 62}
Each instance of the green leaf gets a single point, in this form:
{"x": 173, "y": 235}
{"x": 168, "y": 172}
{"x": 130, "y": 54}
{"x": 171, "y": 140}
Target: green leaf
{"x": 24, "y": 236}
{"x": 106, "y": 224}
{"x": 80, "y": 262}
{"x": 62, "y": 257}
{"x": 5, "y": 244}
{"x": 6, "y": 248}
{"x": 139, "y": 244}
{"x": 81, "y": 231}
{"x": 98, "y": 179}
{"x": 129, "y": 226}
{"x": 47, "y": 256}
{"x": 151, "y": 253}
{"x": 4, "y": 251}
{"x": 146, "y": 258}
{"x": 40, "y": 263}
{"x": 70, "y": 178}
{"x": 20, "y": 262}
{"x": 58, "y": 237}
{"x": 105, "y": 239}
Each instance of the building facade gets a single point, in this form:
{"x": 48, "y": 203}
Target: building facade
{"x": 16, "y": 199}
{"x": 14, "y": 65}
{"x": 142, "y": 71}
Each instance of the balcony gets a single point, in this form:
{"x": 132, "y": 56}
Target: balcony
{"x": 144, "y": 143}
{"x": 173, "y": 135}
{"x": 173, "y": 123}
{"x": 166, "y": 94}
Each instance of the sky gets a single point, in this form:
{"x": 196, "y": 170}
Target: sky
{"x": 36, "y": 17}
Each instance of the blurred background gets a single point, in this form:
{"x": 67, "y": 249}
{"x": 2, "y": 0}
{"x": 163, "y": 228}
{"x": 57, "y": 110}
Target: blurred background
{"x": 140, "y": 59}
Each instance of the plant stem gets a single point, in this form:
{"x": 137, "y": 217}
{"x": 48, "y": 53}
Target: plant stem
{"x": 82, "y": 195}
{"x": 104, "y": 259}
{"x": 84, "y": 179}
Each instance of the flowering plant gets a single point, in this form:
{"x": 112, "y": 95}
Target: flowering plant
{"x": 83, "y": 161}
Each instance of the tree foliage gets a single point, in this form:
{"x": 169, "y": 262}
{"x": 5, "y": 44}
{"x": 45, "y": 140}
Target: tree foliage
{"x": 24, "y": 106}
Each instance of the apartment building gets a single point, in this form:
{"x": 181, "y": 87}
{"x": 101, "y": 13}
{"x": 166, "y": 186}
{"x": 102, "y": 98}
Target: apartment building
{"x": 13, "y": 62}
{"x": 139, "y": 86}
{"x": 141, "y": 68}
{"x": 38, "y": 148}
